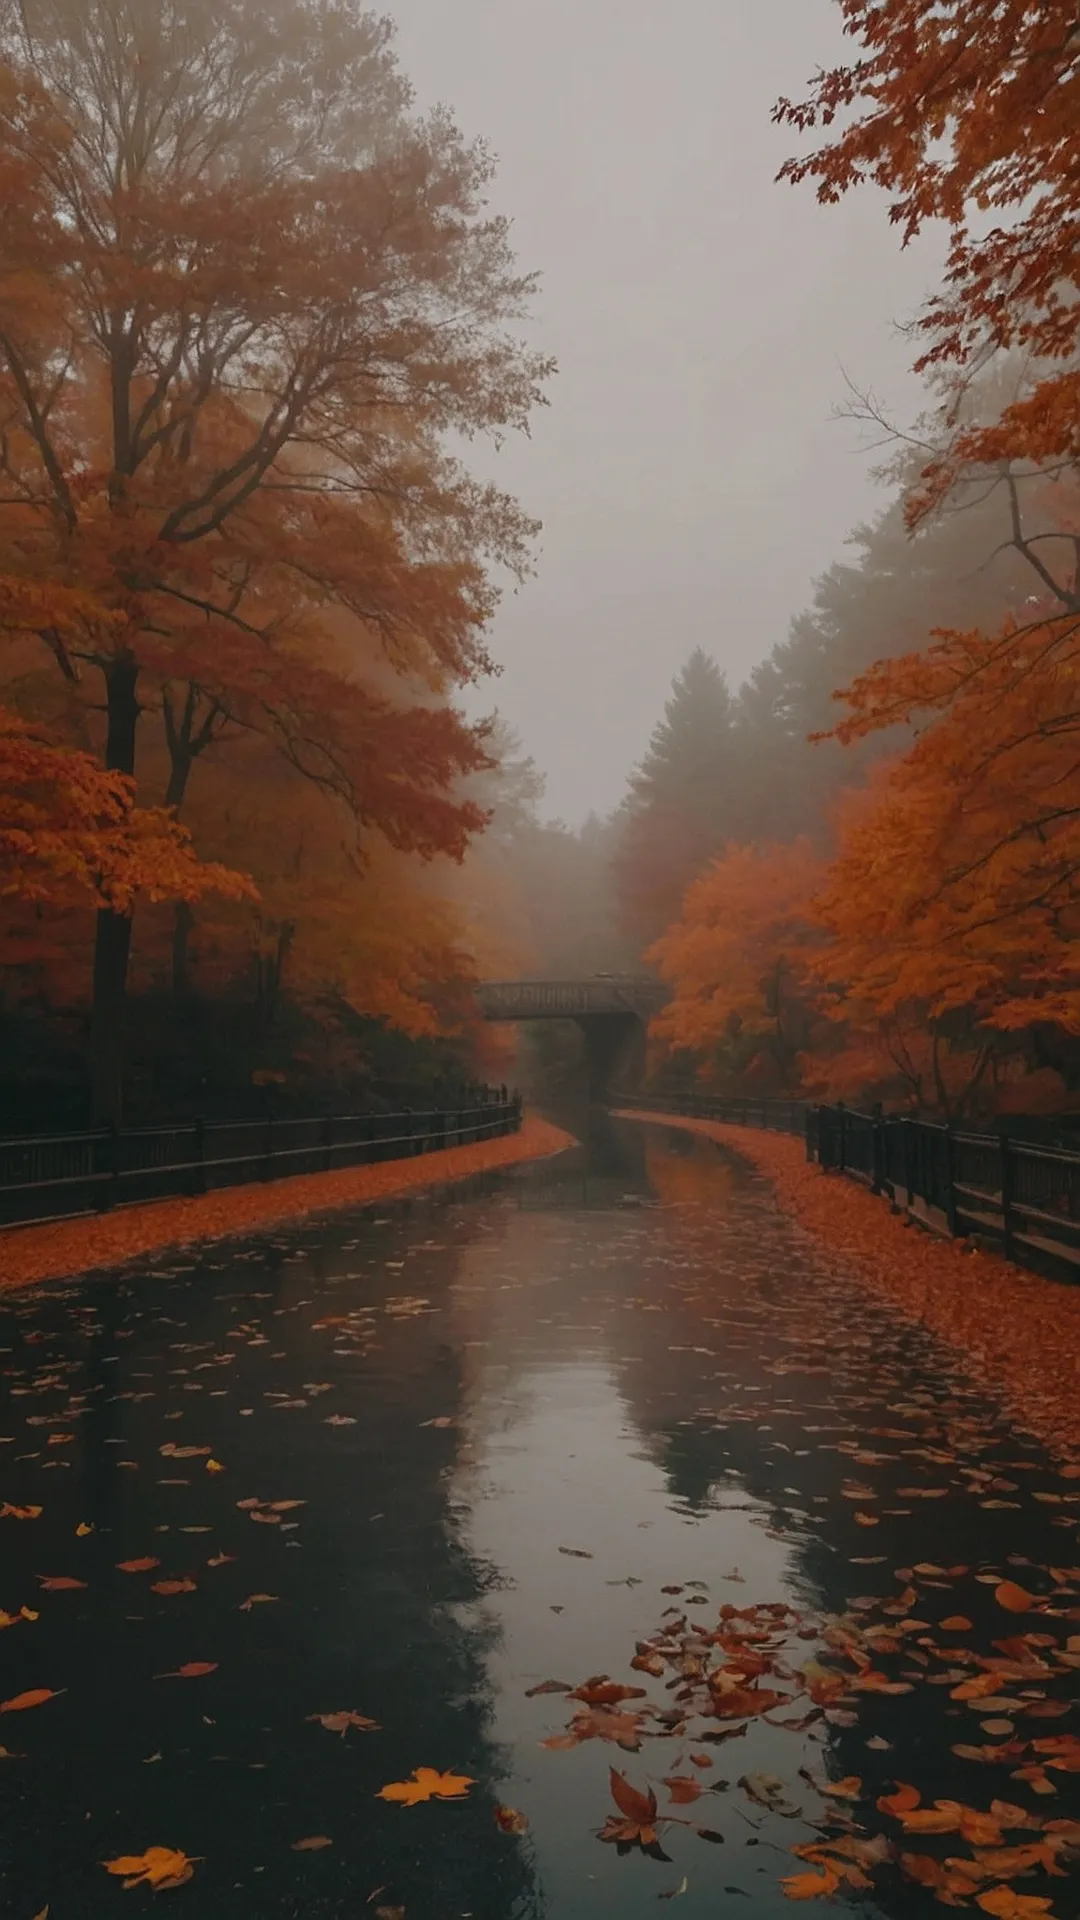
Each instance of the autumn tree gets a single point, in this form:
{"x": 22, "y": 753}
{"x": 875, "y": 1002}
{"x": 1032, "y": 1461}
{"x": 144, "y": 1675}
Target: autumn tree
{"x": 739, "y": 962}
{"x": 957, "y": 884}
{"x": 68, "y": 828}
{"x": 956, "y": 893}
{"x": 961, "y": 109}
{"x": 247, "y": 295}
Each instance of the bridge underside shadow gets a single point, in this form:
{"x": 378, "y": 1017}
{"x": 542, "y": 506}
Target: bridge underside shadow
{"x": 611, "y": 1011}
{"x": 614, "y": 1052}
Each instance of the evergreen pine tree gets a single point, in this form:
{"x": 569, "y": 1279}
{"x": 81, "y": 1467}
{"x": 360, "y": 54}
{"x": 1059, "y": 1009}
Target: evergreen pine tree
{"x": 678, "y": 813}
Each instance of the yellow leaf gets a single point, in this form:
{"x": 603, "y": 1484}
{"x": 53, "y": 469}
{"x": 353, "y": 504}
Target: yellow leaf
{"x": 427, "y": 1784}
{"x": 158, "y": 1867}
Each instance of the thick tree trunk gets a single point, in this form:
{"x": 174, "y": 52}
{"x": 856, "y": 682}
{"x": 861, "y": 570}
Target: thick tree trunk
{"x": 112, "y": 944}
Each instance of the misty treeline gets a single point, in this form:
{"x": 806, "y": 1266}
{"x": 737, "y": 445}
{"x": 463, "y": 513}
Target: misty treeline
{"x": 894, "y": 913}
{"x": 781, "y": 880}
{"x": 254, "y": 311}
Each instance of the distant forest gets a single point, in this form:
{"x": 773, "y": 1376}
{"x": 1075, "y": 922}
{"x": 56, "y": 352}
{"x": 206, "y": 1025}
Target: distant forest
{"x": 836, "y": 881}
{"x": 253, "y": 849}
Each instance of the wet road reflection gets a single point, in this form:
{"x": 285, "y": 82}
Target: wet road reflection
{"x": 412, "y": 1466}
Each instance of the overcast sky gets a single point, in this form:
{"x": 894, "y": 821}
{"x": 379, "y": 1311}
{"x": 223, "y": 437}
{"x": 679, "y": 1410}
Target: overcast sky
{"x": 689, "y": 472}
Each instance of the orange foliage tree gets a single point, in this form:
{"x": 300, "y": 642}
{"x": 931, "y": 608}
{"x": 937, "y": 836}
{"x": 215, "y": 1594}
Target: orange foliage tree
{"x": 344, "y": 936}
{"x": 961, "y": 109}
{"x": 69, "y": 828}
{"x": 738, "y": 961}
{"x": 957, "y": 885}
{"x": 247, "y": 293}
{"x": 954, "y": 898}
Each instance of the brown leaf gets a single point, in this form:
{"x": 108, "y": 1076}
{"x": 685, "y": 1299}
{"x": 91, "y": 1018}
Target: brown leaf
{"x": 173, "y": 1586}
{"x": 639, "y": 1807}
{"x": 600, "y": 1723}
{"x": 138, "y": 1566}
{"x": 341, "y": 1722}
{"x": 626, "y": 1833}
{"x": 314, "y": 1845}
{"x": 1013, "y": 1598}
{"x": 683, "y": 1789}
{"x": 600, "y": 1691}
{"x": 191, "y": 1671}
{"x": 739, "y": 1702}
{"x": 58, "y": 1583}
{"x": 509, "y": 1820}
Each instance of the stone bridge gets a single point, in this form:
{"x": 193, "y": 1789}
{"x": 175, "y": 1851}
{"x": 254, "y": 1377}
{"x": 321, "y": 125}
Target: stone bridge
{"x": 612, "y": 1011}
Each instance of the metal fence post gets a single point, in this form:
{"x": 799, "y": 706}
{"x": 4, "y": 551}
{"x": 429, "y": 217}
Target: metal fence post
{"x": 950, "y": 1180}
{"x": 877, "y": 1148}
{"x": 200, "y": 1156}
{"x": 1006, "y": 1195}
{"x": 809, "y": 1131}
{"x": 110, "y": 1188}
{"x": 907, "y": 1156}
{"x": 268, "y": 1149}
{"x": 841, "y": 1137}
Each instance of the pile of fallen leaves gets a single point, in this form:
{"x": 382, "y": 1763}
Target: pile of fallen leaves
{"x": 1019, "y": 1333}
{"x": 67, "y": 1247}
{"x": 788, "y": 1668}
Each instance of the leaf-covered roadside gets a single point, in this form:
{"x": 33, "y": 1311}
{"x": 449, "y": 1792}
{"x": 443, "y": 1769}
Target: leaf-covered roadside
{"x": 79, "y": 1246}
{"x": 1019, "y": 1334}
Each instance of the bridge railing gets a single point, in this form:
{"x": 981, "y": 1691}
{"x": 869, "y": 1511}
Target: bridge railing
{"x": 55, "y": 1176}
{"x": 1022, "y": 1194}
{"x": 569, "y": 999}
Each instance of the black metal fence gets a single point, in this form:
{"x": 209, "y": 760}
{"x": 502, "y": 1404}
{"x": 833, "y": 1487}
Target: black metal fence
{"x": 1022, "y": 1194}
{"x": 57, "y": 1175}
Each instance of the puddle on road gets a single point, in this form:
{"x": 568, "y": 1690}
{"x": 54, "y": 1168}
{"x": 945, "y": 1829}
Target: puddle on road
{"x": 612, "y": 1408}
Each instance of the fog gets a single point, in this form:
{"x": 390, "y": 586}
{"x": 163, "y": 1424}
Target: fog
{"x": 690, "y": 472}
{"x": 273, "y": 843}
